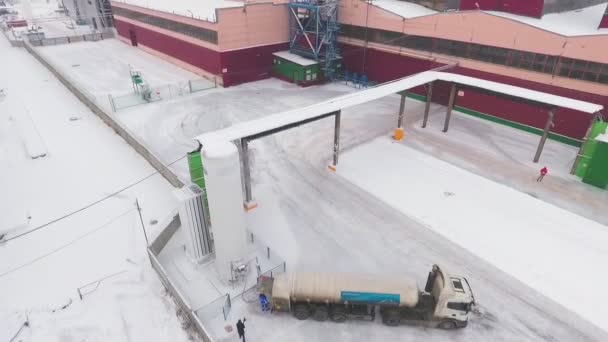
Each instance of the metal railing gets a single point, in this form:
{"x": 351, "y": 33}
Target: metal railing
{"x": 89, "y": 37}
{"x": 94, "y": 285}
{"x": 158, "y": 93}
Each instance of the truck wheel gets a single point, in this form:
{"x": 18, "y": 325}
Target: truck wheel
{"x": 447, "y": 325}
{"x": 391, "y": 318}
{"x": 338, "y": 315}
{"x": 320, "y": 314}
{"x": 301, "y": 311}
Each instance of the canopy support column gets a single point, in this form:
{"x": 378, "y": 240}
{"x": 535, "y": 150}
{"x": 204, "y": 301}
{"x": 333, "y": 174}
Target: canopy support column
{"x": 336, "y": 141}
{"x": 543, "y": 139}
{"x": 399, "y": 130}
{"x": 427, "y": 107}
{"x": 249, "y": 202}
{"x": 448, "y": 114}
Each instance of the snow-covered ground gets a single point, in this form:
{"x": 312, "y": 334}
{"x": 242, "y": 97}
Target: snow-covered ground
{"x": 41, "y": 271}
{"x": 102, "y": 67}
{"x": 548, "y": 248}
{"x": 316, "y": 220}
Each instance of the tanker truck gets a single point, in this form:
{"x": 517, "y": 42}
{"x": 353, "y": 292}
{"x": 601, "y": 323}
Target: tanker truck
{"x": 445, "y": 302}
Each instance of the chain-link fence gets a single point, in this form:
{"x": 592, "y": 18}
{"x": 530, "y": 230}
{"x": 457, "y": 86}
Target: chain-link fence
{"x": 40, "y": 40}
{"x": 213, "y": 309}
{"x": 158, "y": 93}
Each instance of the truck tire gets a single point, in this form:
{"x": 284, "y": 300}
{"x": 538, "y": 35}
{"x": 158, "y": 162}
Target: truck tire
{"x": 320, "y": 314}
{"x": 301, "y": 311}
{"x": 338, "y": 315}
{"x": 391, "y": 318}
{"x": 447, "y": 325}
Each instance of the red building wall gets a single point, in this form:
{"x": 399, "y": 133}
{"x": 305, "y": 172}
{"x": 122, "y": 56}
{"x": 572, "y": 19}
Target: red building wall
{"x": 486, "y": 5}
{"x": 192, "y": 54}
{"x": 235, "y": 67}
{"x": 604, "y": 23}
{"x": 531, "y": 8}
{"x": 383, "y": 66}
{"x": 246, "y": 65}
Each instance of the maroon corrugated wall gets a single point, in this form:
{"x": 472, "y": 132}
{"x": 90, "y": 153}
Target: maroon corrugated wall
{"x": 530, "y": 8}
{"x": 244, "y": 65}
{"x": 604, "y": 23}
{"x": 486, "y": 5}
{"x": 383, "y": 66}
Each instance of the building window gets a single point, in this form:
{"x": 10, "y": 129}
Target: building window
{"x": 185, "y": 29}
{"x": 553, "y": 65}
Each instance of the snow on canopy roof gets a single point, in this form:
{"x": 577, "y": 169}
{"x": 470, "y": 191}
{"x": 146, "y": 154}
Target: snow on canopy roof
{"x": 405, "y": 9}
{"x": 200, "y": 9}
{"x": 571, "y": 23}
{"x": 249, "y": 128}
{"x": 295, "y": 58}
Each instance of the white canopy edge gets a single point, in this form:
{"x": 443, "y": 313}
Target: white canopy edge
{"x": 274, "y": 121}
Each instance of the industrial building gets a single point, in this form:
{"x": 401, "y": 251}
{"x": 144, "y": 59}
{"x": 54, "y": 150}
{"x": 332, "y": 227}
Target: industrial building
{"x": 554, "y": 46}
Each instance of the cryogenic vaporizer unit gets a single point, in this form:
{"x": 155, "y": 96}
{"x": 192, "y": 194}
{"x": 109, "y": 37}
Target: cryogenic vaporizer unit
{"x": 194, "y": 220}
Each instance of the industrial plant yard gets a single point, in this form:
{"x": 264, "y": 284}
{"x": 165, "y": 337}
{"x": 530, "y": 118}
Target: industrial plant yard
{"x": 89, "y": 175}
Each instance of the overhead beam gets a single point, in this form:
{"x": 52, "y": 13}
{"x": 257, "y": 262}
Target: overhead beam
{"x": 288, "y": 126}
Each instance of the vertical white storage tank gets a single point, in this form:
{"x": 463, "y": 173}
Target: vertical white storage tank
{"x": 225, "y": 196}
{"x": 199, "y": 244}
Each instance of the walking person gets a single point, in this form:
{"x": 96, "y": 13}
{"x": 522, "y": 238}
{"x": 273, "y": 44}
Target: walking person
{"x": 240, "y": 328}
{"x": 543, "y": 173}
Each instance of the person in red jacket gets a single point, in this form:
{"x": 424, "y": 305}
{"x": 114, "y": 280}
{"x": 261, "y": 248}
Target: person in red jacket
{"x": 543, "y": 172}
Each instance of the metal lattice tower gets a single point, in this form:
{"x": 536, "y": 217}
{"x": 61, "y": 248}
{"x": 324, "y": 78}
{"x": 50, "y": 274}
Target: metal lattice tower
{"x": 313, "y": 32}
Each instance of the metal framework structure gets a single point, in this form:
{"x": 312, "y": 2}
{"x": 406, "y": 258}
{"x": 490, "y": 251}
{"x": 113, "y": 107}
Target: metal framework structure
{"x": 313, "y": 32}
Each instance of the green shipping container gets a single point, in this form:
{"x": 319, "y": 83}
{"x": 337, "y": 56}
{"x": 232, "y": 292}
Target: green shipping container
{"x": 296, "y": 72}
{"x": 589, "y": 148}
{"x": 597, "y": 172}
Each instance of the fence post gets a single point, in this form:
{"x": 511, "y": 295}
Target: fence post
{"x": 190, "y": 86}
{"x": 268, "y": 252}
{"x": 112, "y": 103}
{"x": 251, "y": 237}
{"x": 284, "y": 266}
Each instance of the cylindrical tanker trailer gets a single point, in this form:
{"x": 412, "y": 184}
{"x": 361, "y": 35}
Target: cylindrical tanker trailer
{"x": 445, "y": 302}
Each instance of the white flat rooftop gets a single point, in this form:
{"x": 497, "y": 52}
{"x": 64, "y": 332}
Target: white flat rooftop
{"x": 407, "y": 10}
{"x": 199, "y": 9}
{"x": 278, "y": 120}
{"x": 303, "y": 61}
{"x": 571, "y": 23}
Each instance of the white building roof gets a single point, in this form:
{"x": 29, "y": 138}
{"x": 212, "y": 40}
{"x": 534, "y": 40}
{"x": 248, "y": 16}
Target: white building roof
{"x": 571, "y": 23}
{"x": 199, "y": 9}
{"x": 274, "y": 121}
{"x": 295, "y": 58}
{"x": 407, "y": 10}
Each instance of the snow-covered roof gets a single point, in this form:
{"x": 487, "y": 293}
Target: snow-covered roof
{"x": 407, "y": 10}
{"x": 295, "y": 58}
{"x": 200, "y": 9}
{"x": 571, "y": 23}
{"x": 278, "y": 120}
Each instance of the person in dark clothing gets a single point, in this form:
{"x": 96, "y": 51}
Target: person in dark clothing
{"x": 240, "y": 328}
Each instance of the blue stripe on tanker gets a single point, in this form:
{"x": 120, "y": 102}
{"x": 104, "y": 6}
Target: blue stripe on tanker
{"x": 369, "y": 297}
